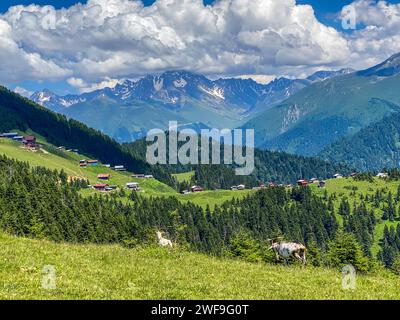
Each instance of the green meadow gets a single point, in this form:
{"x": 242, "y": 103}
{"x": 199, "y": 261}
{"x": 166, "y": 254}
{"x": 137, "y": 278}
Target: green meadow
{"x": 113, "y": 272}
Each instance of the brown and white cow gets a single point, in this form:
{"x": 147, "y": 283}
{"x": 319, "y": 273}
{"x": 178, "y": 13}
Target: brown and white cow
{"x": 286, "y": 250}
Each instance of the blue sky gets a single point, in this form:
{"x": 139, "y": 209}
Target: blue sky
{"x": 34, "y": 58}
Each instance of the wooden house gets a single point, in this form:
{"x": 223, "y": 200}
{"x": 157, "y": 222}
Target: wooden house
{"x": 197, "y": 189}
{"x": 302, "y": 183}
{"x": 9, "y": 135}
{"x": 30, "y": 141}
{"x": 104, "y": 176}
{"x": 18, "y": 138}
{"x": 138, "y": 175}
{"x": 100, "y": 186}
{"x": 383, "y": 175}
{"x": 133, "y": 186}
{"x": 92, "y": 163}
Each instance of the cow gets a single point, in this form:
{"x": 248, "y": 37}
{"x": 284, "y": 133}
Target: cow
{"x": 286, "y": 250}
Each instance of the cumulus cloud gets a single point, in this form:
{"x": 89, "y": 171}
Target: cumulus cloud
{"x": 378, "y": 37}
{"x": 83, "y": 87}
{"x": 122, "y": 38}
{"x": 113, "y": 39}
{"x": 17, "y": 64}
{"x": 23, "y": 92}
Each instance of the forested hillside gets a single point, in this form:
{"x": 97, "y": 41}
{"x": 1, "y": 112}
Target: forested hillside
{"x": 371, "y": 149}
{"x": 18, "y": 113}
{"x": 276, "y": 167}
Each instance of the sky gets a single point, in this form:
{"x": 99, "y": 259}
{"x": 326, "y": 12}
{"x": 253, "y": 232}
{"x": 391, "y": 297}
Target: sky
{"x": 77, "y": 46}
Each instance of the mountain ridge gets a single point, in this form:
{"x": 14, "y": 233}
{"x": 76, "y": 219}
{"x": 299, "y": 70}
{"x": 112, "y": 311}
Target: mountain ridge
{"x": 329, "y": 110}
{"x": 174, "y": 95}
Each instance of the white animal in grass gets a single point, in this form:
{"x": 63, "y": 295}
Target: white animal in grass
{"x": 162, "y": 241}
{"x": 286, "y": 250}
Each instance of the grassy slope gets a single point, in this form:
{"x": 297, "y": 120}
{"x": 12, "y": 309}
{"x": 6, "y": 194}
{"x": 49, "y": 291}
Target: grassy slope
{"x": 69, "y": 162}
{"x": 111, "y": 272}
{"x": 184, "y": 177}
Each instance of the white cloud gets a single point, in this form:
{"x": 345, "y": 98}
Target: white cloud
{"x": 260, "y": 78}
{"x": 122, "y": 38}
{"x": 83, "y": 87}
{"x": 379, "y": 37}
{"x": 23, "y": 92}
{"x": 114, "y": 39}
{"x": 17, "y": 64}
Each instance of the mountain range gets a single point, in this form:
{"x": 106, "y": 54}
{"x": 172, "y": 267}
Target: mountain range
{"x": 127, "y": 111}
{"x": 337, "y": 115}
{"x": 329, "y": 110}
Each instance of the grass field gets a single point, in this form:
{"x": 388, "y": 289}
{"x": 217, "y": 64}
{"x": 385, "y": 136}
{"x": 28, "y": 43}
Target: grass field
{"x": 113, "y": 272}
{"x": 185, "y": 176}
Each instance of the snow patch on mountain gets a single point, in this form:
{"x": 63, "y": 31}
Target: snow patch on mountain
{"x": 215, "y": 92}
{"x": 158, "y": 84}
{"x": 180, "y": 83}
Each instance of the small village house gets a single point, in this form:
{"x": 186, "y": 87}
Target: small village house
{"x": 338, "y": 176}
{"x": 138, "y": 175}
{"x": 133, "y": 186}
{"x": 197, "y": 189}
{"x": 18, "y": 138}
{"x": 119, "y": 168}
{"x": 83, "y": 163}
{"x": 322, "y": 184}
{"x": 9, "y": 135}
{"x": 148, "y": 176}
{"x": 383, "y": 175}
{"x": 104, "y": 176}
{"x": 93, "y": 163}
{"x": 30, "y": 142}
{"x": 302, "y": 183}
{"x": 100, "y": 186}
